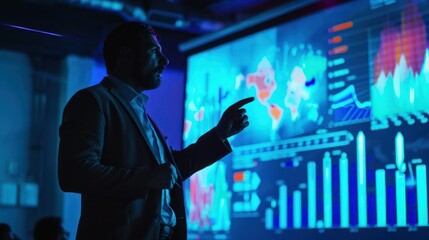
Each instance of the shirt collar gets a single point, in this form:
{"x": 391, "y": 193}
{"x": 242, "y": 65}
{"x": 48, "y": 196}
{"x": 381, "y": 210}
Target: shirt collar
{"x": 128, "y": 93}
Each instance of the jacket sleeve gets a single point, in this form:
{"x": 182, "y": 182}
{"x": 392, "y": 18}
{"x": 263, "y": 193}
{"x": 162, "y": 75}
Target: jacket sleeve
{"x": 80, "y": 168}
{"x": 208, "y": 149}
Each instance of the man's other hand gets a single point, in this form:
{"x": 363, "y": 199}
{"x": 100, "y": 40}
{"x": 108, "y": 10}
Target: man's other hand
{"x": 163, "y": 176}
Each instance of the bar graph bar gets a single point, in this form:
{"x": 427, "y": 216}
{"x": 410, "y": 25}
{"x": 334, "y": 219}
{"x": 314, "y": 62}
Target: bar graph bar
{"x": 327, "y": 190}
{"x": 311, "y": 181}
{"x": 361, "y": 180}
{"x": 269, "y": 218}
{"x": 283, "y": 207}
{"x": 344, "y": 191}
{"x": 422, "y": 195}
{"x": 297, "y": 213}
{"x": 399, "y": 152}
{"x": 380, "y": 189}
{"x": 401, "y": 198}
{"x": 401, "y": 204}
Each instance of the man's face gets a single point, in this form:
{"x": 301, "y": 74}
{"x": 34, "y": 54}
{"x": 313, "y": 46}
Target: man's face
{"x": 149, "y": 63}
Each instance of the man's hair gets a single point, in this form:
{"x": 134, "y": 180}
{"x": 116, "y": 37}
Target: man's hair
{"x": 128, "y": 34}
{"x": 5, "y": 228}
{"x": 48, "y": 228}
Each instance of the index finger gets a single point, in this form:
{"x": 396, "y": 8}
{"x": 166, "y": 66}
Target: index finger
{"x": 241, "y": 103}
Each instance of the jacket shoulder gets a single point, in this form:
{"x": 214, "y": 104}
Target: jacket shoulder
{"x": 96, "y": 91}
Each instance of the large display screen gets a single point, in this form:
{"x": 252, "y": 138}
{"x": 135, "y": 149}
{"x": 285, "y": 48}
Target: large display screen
{"x": 338, "y": 142}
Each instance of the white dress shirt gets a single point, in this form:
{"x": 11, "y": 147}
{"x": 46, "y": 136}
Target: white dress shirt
{"x": 137, "y": 102}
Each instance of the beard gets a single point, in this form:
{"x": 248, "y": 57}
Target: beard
{"x": 147, "y": 77}
{"x": 149, "y": 81}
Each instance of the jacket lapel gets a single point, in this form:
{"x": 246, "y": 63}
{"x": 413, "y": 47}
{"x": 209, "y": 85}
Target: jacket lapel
{"x": 106, "y": 82}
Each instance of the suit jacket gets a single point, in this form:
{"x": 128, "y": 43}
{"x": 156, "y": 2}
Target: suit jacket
{"x": 104, "y": 156}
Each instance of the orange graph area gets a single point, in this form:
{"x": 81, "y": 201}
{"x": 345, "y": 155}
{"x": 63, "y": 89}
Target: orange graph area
{"x": 338, "y": 50}
{"x": 263, "y": 80}
{"x": 238, "y": 176}
{"x": 334, "y": 40}
{"x": 341, "y": 26}
{"x": 408, "y": 40}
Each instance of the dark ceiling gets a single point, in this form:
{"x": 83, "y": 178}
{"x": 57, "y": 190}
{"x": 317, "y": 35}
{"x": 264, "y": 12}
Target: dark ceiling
{"x": 59, "y": 27}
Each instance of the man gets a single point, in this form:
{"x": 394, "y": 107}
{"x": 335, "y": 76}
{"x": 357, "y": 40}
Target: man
{"x": 6, "y": 232}
{"x": 114, "y": 155}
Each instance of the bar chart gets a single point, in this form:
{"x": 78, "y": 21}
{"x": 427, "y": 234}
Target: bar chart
{"x": 400, "y": 184}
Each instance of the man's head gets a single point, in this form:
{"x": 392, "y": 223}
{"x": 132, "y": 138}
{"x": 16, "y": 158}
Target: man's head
{"x": 133, "y": 54}
{"x": 50, "y": 228}
{"x": 5, "y": 232}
